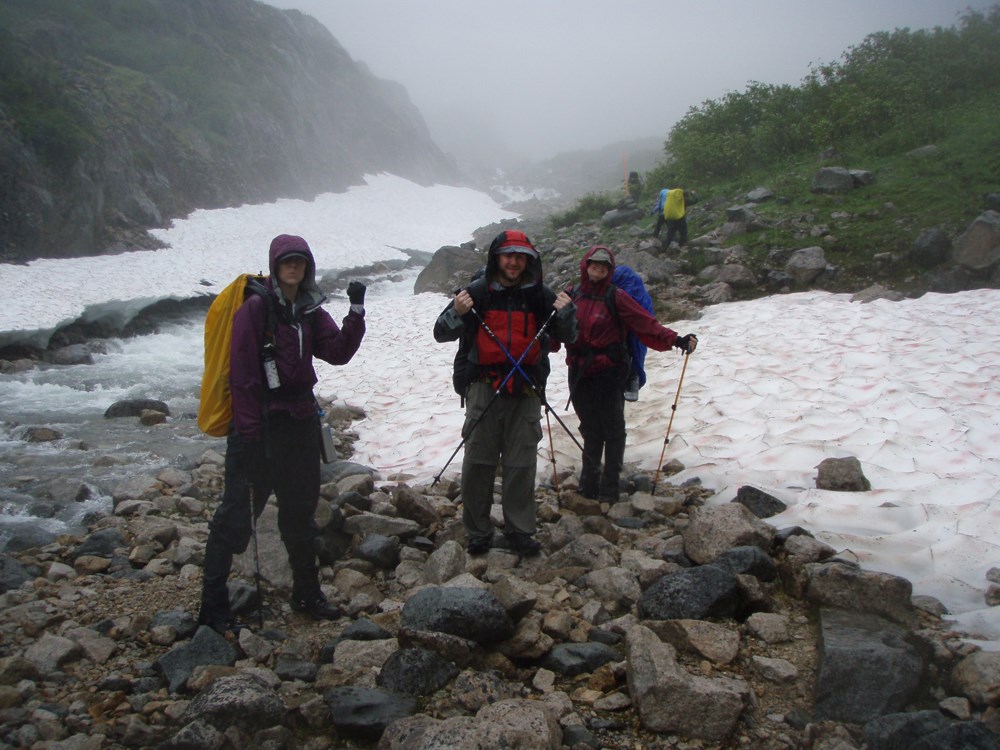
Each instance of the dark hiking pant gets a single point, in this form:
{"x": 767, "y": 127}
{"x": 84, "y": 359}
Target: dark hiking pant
{"x": 288, "y": 464}
{"x": 508, "y": 432}
{"x": 677, "y": 227}
{"x": 600, "y": 406}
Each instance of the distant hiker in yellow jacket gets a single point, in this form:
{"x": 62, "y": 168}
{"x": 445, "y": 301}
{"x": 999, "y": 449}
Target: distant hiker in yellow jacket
{"x": 671, "y": 207}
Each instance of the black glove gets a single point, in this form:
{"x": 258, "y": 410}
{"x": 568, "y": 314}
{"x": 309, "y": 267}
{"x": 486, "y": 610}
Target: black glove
{"x": 356, "y": 293}
{"x": 686, "y": 343}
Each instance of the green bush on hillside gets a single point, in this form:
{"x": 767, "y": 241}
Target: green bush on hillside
{"x": 38, "y": 107}
{"x": 589, "y": 207}
{"x": 892, "y": 83}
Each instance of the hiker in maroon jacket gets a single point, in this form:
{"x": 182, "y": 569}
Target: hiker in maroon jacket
{"x": 274, "y": 442}
{"x": 599, "y": 368}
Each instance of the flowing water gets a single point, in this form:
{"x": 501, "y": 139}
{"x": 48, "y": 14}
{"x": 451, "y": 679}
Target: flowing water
{"x": 59, "y": 485}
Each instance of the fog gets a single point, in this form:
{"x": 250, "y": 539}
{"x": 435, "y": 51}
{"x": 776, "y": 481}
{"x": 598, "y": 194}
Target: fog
{"x": 536, "y": 77}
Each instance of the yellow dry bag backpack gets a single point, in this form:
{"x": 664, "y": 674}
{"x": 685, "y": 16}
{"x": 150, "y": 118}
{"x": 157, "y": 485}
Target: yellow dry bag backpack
{"x": 215, "y": 408}
{"x": 673, "y": 206}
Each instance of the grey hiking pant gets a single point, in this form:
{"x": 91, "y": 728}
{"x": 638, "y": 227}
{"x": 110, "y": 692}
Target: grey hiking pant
{"x": 508, "y": 434}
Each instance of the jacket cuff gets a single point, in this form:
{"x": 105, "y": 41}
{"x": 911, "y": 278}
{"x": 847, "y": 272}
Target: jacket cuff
{"x": 452, "y": 319}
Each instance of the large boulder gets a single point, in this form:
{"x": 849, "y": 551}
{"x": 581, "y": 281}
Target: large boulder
{"x": 805, "y": 265}
{"x": 832, "y": 180}
{"x": 450, "y": 268}
{"x": 866, "y": 667}
{"x": 669, "y": 699}
{"x": 466, "y": 612}
{"x": 978, "y": 247}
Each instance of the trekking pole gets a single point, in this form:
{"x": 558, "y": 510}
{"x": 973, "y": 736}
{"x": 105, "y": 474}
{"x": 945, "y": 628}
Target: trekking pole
{"x": 535, "y": 388}
{"x": 673, "y": 410}
{"x": 496, "y": 394}
{"x": 552, "y": 453}
{"x": 256, "y": 557}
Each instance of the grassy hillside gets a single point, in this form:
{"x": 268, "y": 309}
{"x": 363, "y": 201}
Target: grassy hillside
{"x": 877, "y": 110}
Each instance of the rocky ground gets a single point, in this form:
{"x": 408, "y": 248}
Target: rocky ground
{"x": 656, "y": 622}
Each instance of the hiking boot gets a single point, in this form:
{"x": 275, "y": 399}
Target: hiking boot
{"x": 221, "y": 624}
{"x": 478, "y": 546}
{"x": 523, "y": 544}
{"x": 316, "y": 606}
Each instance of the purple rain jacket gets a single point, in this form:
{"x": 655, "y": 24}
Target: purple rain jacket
{"x": 303, "y": 331}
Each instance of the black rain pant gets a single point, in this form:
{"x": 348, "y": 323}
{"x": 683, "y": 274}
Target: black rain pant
{"x": 600, "y": 406}
{"x": 288, "y": 464}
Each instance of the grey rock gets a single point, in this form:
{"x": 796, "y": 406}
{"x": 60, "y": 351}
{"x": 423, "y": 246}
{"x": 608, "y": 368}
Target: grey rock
{"x": 416, "y": 671}
{"x": 372, "y": 523}
{"x": 978, "y": 247}
{"x": 381, "y": 551}
{"x": 101, "y": 543}
{"x": 977, "y": 677}
{"x": 197, "y": 735}
{"x": 713, "y": 530}
{"x": 571, "y": 659}
{"x": 966, "y": 735}
{"x": 805, "y": 265}
{"x": 618, "y": 216}
{"x": 25, "y": 537}
{"x": 759, "y": 195}
{"x": 866, "y": 667}
{"x": 364, "y": 629}
{"x": 207, "y": 647}
{"x": 693, "y": 593}
{"x": 760, "y": 503}
{"x": 841, "y": 475}
{"x": 901, "y": 731}
{"x": 50, "y": 652}
{"x": 832, "y": 180}
{"x": 846, "y": 586}
{"x": 366, "y": 712}
{"x": 242, "y": 700}
{"x": 931, "y": 248}
{"x": 293, "y": 667}
{"x": 448, "y": 264}
{"x": 669, "y": 699}
{"x": 469, "y": 613}
{"x": 444, "y": 563}
{"x": 736, "y": 275}
{"x": 134, "y": 407}
{"x": 749, "y": 560}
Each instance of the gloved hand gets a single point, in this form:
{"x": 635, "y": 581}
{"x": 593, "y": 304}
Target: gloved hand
{"x": 686, "y": 344}
{"x": 356, "y": 293}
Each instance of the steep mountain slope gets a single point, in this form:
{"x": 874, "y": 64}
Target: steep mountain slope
{"x": 117, "y": 115}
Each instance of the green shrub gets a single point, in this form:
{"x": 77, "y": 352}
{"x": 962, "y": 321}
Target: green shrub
{"x": 588, "y": 208}
{"x": 887, "y": 92}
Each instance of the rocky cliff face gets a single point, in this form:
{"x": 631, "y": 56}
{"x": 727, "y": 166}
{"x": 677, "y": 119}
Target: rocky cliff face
{"x": 117, "y": 117}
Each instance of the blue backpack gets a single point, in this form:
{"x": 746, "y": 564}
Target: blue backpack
{"x": 627, "y": 279}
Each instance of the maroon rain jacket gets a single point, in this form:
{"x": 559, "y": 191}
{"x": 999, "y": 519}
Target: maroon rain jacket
{"x": 599, "y": 329}
{"x": 302, "y": 332}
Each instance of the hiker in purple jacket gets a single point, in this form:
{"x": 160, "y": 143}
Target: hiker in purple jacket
{"x": 274, "y": 441}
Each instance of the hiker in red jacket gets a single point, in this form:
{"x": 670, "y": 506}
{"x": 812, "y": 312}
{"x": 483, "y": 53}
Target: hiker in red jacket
{"x": 500, "y": 320}
{"x": 274, "y": 442}
{"x": 599, "y": 368}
